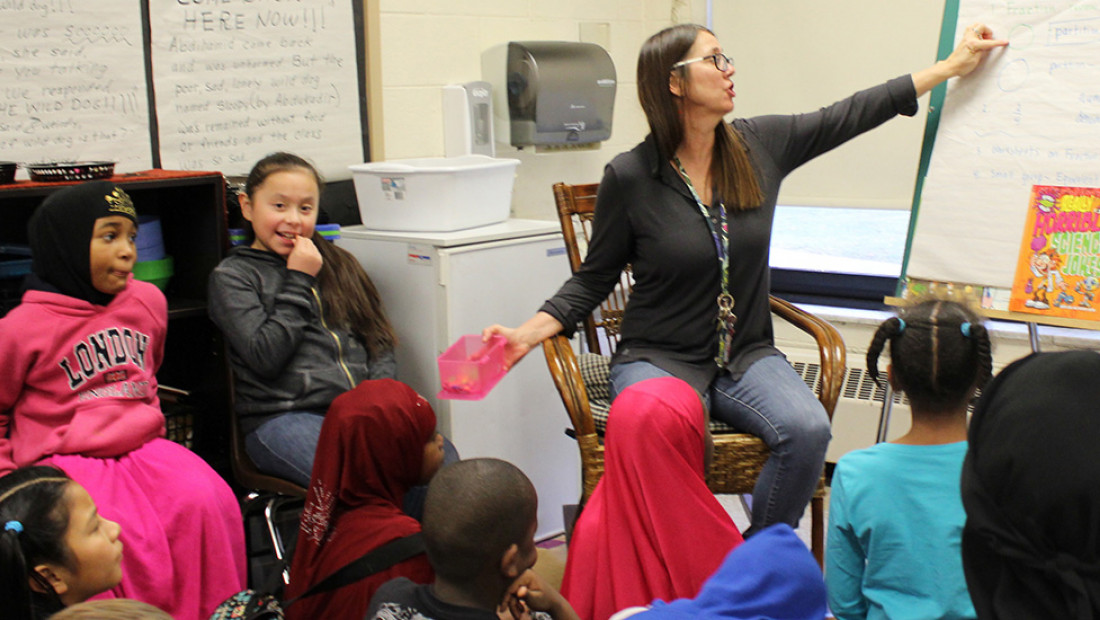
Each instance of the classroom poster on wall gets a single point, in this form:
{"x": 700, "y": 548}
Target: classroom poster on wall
{"x": 1029, "y": 115}
{"x": 1058, "y": 271}
{"x": 72, "y": 83}
{"x": 238, "y": 79}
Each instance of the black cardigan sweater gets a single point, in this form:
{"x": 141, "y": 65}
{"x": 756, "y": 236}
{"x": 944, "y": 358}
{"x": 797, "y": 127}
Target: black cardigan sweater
{"x": 646, "y": 216}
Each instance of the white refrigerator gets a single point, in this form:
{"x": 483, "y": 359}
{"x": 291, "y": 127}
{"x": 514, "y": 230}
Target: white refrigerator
{"x": 438, "y": 286}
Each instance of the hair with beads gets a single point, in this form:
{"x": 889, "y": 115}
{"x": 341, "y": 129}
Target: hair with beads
{"x": 940, "y": 353}
{"x": 34, "y": 518}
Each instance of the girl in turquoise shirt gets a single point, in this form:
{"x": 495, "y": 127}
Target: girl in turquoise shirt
{"x": 895, "y": 513}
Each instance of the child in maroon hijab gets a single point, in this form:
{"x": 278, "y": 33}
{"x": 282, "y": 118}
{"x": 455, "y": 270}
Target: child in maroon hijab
{"x": 377, "y": 442}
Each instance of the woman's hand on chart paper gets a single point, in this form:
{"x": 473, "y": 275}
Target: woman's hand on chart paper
{"x": 976, "y": 43}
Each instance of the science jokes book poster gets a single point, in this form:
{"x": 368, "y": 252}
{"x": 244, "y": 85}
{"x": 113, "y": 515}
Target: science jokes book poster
{"x": 1058, "y": 270}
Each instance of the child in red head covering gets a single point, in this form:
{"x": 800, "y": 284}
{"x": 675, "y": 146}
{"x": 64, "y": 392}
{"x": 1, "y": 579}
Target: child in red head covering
{"x": 378, "y": 441}
{"x": 652, "y": 529}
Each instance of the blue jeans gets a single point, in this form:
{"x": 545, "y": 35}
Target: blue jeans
{"x": 284, "y": 446}
{"x": 772, "y": 402}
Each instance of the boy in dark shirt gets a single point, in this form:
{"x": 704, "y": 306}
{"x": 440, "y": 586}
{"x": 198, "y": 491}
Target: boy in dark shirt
{"x": 479, "y": 527}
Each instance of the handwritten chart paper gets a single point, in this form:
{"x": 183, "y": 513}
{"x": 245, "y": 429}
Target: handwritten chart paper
{"x": 72, "y": 83}
{"x": 238, "y": 79}
{"x": 1029, "y": 116}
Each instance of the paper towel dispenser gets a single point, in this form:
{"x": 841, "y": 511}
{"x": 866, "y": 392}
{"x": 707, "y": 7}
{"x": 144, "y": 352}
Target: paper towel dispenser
{"x": 550, "y": 93}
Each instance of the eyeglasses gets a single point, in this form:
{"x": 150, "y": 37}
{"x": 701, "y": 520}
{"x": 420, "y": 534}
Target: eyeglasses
{"x": 721, "y": 61}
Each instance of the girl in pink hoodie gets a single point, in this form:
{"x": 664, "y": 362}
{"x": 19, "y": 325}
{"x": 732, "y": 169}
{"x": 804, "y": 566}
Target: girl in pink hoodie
{"x": 79, "y": 392}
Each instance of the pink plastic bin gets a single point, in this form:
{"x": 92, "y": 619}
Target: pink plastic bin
{"x": 470, "y": 368}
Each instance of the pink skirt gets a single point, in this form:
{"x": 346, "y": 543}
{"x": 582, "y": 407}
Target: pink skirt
{"x": 181, "y": 526}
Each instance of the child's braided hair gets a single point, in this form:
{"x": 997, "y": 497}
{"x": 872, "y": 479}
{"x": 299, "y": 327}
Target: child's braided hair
{"x": 940, "y": 352}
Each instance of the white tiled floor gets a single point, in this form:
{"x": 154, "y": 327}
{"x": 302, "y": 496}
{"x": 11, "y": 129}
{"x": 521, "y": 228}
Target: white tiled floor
{"x": 734, "y": 506}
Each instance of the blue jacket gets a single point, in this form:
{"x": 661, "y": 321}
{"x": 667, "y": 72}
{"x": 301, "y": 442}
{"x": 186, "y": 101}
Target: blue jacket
{"x": 771, "y": 576}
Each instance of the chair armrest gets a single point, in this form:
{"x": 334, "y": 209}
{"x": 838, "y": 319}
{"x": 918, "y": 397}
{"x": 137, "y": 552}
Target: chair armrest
{"x": 562, "y": 362}
{"x": 830, "y": 347}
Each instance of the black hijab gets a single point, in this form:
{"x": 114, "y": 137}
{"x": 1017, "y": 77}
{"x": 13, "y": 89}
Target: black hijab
{"x": 60, "y": 234}
{"x": 1031, "y": 489}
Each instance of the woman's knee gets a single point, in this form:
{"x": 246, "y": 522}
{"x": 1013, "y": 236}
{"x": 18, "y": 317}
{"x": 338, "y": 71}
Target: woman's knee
{"x": 816, "y": 431}
{"x": 809, "y": 430}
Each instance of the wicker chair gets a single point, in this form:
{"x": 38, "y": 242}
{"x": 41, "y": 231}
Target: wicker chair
{"x": 738, "y": 457}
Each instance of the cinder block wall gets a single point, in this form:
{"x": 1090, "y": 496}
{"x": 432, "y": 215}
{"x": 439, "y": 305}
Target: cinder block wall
{"x": 427, "y": 44}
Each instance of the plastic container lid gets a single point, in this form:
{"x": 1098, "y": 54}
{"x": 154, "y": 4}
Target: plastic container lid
{"x": 435, "y": 165}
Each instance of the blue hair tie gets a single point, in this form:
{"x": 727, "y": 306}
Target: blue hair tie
{"x": 965, "y": 327}
{"x": 901, "y": 325}
{"x": 13, "y": 526}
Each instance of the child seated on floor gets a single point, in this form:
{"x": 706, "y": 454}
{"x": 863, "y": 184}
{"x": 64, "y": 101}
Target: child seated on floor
{"x": 652, "y": 529}
{"x": 479, "y": 528}
{"x": 79, "y": 391}
{"x": 772, "y": 576}
{"x": 377, "y": 443}
{"x": 895, "y": 514}
{"x": 55, "y": 549}
{"x": 1029, "y": 488}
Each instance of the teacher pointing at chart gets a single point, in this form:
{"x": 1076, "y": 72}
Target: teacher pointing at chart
{"x": 691, "y": 210}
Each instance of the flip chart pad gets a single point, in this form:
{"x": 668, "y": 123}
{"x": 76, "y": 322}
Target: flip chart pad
{"x": 1029, "y": 116}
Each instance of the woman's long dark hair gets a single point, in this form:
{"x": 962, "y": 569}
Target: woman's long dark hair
{"x": 33, "y": 498}
{"x": 730, "y": 167}
{"x": 348, "y": 296}
{"x": 940, "y": 352}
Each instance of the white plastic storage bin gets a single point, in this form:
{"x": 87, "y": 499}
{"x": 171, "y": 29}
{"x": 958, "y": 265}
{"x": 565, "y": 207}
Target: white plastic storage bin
{"x": 436, "y": 194}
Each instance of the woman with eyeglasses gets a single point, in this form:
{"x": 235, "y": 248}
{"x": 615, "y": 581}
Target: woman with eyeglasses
{"x": 691, "y": 209}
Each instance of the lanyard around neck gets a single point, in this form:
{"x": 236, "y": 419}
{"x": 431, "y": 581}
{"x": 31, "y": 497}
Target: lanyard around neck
{"x": 721, "y": 235}
{"x": 726, "y": 317}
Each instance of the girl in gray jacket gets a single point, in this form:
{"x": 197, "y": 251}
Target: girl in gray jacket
{"x": 303, "y": 320}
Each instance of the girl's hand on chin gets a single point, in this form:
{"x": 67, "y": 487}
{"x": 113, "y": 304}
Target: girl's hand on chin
{"x": 304, "y": 257}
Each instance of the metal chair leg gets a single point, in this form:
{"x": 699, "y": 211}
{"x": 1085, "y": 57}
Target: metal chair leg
{"x": 884, "y": 416}
{"x": 272, "y": 504}
{"x": 276, "y": 538}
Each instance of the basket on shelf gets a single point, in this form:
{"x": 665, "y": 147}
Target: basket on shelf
{"x": 179, "y": 415}
{"x": 70, "y": 170}
{"x": 180, "y": 427}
